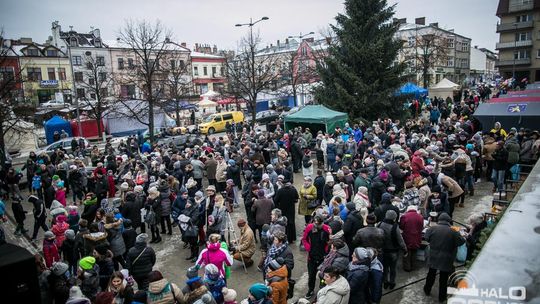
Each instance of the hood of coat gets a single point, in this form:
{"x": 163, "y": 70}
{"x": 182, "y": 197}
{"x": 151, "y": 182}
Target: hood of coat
{"x": 213, "y": 246}
{"x": 158, "y": 286}
{"x": 95, "y": 236}
{"x": 343, "y": 251}
{"x": 340, "y": 286}
{"x": 280, "y": 272}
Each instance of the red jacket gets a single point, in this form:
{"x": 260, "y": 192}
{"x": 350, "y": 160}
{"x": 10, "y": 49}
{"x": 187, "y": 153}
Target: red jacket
{"x": 411, "y": 224}
{"x": 417, "y": 163}
{"x": 50, "y": 252}
{"x": 306, "y": 241}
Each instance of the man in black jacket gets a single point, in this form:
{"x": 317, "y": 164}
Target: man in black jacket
{"x": 353, "y": 223}
{"x": 386, "y": 204}
{"x": 443, "y": 245}
{"x": 40, "y": 215}
{"x": 140, "y": 260}
{"x": 369, "y": 236}
{"x": 286, "y": 199}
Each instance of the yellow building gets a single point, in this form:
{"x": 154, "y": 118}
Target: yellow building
{"x": 46, "y": 72}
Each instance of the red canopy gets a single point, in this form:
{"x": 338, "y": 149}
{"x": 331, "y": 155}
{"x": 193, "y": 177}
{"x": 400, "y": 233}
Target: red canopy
{"x": 227, "y": 101}
{"x": 517, "y": 99}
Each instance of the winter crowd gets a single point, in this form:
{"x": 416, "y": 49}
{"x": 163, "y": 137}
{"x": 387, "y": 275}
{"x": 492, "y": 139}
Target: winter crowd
{"x": 370, "y": 195}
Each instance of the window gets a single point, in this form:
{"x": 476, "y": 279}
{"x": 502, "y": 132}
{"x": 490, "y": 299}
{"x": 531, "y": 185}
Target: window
{"x": 465, "y": 63}
{"x": 465, "y": 47}
{"x": 52, "y": 53}
{"x": 214, "y": 71}
{"x": 73, "y": 41}
{"x": 411, "y": 41}
{"x": 182, "y": 64}
{"x": 34, "y": 74}
{"x": 304, "y": 51}
{"x": 62, "y": 73}
{"x": 89, "y": 65}
{"x": 522, "y": 54}
{"x": 77, "y": 60}
{"x": 130, "y": 63}
{"x": 103, "y": 92}
{"x": 120, "y": 63}
{"x": 227, "y": 116}
{"x": 524, "y": 36}
{"x": 450, "y": 43}
{"x": 127, "y": 91}
{"x": 102, "y": 76}
{"x": 78, "y": 76}
{"x": 537, "y": 53}
{"x": 205, "y": 71}
{"x": 32, "y": 52}
{"x": 93, "y": 96}
{"x": 450, "y": 62}
{"x": 6, "y": 73}
{"x": 217, "y": 117}
{"x": 222, "y": 71}
{"x": 100, "y": 60}
{"x": 523, "y": 18}
{"x": 91, "y": 81}
{"x": 80, "y": 93}
{"x": 196, "y": 71}
{"x": 51, "y": 74}
{"x": 172, "y": 64}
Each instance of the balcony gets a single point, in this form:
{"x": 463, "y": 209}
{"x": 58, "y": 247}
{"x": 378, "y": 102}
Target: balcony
{"x": 514, "y": 26}
{"x": 514, "y": 44}
{"x": 518, "y": 7}
{"x": 523, "y": 61}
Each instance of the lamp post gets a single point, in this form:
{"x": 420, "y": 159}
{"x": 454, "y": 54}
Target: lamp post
{"x": 299, "y": 63}
{"x": 252, "y": 55}
{"x": 74, "y": 87}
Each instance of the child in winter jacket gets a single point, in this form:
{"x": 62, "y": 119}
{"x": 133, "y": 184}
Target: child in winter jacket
{"x": 60, "y": 194}
{"x": 59, "y": 228}
{"x": 68, "y": 251}
{"x": 73, "y": 218}
{"x": 214, "y": 282}
{"x": 50, "y": 250}
{"x": 276, "y": 277}
{"x": 36, "y": 185}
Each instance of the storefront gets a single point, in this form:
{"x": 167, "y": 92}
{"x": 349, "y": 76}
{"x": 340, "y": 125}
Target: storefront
{"x": 48, "y": 90}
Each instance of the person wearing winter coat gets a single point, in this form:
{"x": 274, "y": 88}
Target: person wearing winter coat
{"x": 59, "y": 228}
{"x": 233, "y": 172}
{"x": 358, "y": 276}
{"x": 500, "y": 163}
{"x": 259, "y": 294}
{"x": 214, "y": 254}
{"x": 307, "y": 164}
{"x": 511, "y": 145}
{"x": 161, "y": 291}
{"x": 132, "y": 210}
{"x": 308, "y": 194}
{"x": 140, "y": 260}
{"x": 51, "y": 251}
{"x": 129, "y": 235}
{"x": 93, "y": 239}
{"x": 246, "y": 244}
{"x": 217, "y": 218}
{"x": 386, "y": 204}
{"x": 438, "y": 202}
{"x": 276, "y": 277}
{"x": 210, "y": 166}
{"x": 113, "y": 227}
{"x": 118, "y": 285}
{"x": 40, "y": 215}
{"x": 352, "y": 224}
{"x": 315, "y": 242}
{"x": 153, "y": 204}
{"x": 286, "y": 199}
{"x": 90, "y": 207}
{"x": 165, "y": 201}
{"x": 369, "y": 236}
{"x": 88, "y": 275}
{"x": 411, "y": 224}
{"x": 261, "y": 210}
{"x": 337, "y": 257}
{"x": 337, "y": 289}
{"x": 393, "y": 243}
{"x": 20, "y": 216}
{"x": 104, "y": 256}
{"x": 60, "y": 282}
{"x": 69, "y": 254}
{"x": 279, "y": 248}
{"x": 443, "y": 245}
{"x": 188, "y": 223}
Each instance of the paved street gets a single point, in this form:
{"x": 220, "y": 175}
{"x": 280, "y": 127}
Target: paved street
{"x": 171, "y": 256}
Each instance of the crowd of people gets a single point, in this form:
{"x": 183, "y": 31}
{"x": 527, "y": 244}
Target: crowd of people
{"x": 370, "y": 195}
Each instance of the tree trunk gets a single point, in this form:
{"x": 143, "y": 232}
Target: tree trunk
{"x": 177, "y": 109}
{"x": 98, "y": 121}
{"x": 253, "y": 113}
{"x": 3, "y": 151}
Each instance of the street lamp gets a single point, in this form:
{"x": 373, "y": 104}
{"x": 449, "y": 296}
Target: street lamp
{"x": 74, "y": 85}
{"x": 252, "y": 55}
{"x": 299, "y": 63}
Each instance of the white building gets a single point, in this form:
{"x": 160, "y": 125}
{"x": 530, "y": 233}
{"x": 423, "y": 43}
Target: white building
{"x": 483, "y": 64}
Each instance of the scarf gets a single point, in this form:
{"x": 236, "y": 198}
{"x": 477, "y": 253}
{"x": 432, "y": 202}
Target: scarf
{"x": 273, "y": 252}
{"x": 353, "y": 267}
{"x": 327, "y": 261}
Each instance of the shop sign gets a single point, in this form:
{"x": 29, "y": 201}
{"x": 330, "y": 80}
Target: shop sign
{"x": 48, "y": 83}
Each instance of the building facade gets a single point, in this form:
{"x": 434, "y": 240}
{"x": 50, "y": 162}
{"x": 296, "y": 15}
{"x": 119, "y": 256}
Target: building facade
{"x": 45, "y": 70}
{"x": 208, "y": 69}
{"x": 10, "y": 71}
{"x": 519, "y": 34}
{"x": 483, "y": 65}
{"x": 452, "y": 60}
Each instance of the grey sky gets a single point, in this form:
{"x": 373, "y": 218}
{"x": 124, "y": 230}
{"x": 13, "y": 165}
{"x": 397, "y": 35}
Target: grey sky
{"x": 212, "y": 21}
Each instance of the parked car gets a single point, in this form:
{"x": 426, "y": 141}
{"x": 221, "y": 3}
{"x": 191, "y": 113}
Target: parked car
{"x": 265, "y": 117}
{"x": 216, "y": 122}
{"x": 54, "y": 104}
{"x": 64, "y": 144}
{"x": 291, "y": 111}
{"x": 181, "y": 141}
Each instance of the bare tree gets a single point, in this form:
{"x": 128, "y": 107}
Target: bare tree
{"x": 250, "y": 73}
{"x": 12, "y": 112}
{"x": 96, "y": 80}
{"x": 431, "y": 51}
{"x": 150, "y": 43}
{"x": 178, "y": 81}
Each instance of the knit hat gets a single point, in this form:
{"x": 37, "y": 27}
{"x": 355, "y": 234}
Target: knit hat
{"x": 192, "y": 272}
{"x": 124, "y": 186}
{"x": 241, "y": 222}
{"x": 127, "y": 223}
{"x": 229, "y": 295}
{"x": 230, "y": 182}
{"x": 258, "y": 291}
{"x": 390, "y": 215}
{"x": 329, "y": 178}
{"x": 276, "y": 263}
{"x": 138, "y": 189}
{"x": 265, "y": 176}
{"x": 260, "y": 193}
{"x": 87, "y": 263}
{"x": 351, "y": 206}
{"x": 70, "y": 234}
{"x": 49, "y": 235}
{"x": 205, "y": 298}
{"x": 231, "y": 162}
{"x": 211, "y": 188}
{"x": 59, "y": 268}
{"x": 104, "y": 297}
{"x": 153, "y": 190}
{"x": 265, "y": 227}
{"x": 61, "y": 218}
{"x": 281, "y": 177}
{"x": 141, "y": 238}
{"x": 211, "y": 271}
{"x": 444, "y": 217}
{"x": 199, "y": 194}
{"x": 361, "y": 253}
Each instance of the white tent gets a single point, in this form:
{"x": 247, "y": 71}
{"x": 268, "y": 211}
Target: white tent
{"x": 445, "y": 88}
{"x": 207, "y": 105}
{"x": 210, "y": 94}
{"x": 22, "y": 137}
{"x": 120, "y": 121}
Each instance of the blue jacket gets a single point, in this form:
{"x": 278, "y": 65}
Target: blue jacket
{"x": 358, "y": 277}
{"x": 358, "y": 135}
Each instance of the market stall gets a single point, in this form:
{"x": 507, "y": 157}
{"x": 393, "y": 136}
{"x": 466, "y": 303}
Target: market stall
{"x": 56, "y": 124}
{"x": 316, "y": 117}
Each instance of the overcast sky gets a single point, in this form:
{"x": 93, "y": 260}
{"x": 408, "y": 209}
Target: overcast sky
{"x": 212, "y": 21}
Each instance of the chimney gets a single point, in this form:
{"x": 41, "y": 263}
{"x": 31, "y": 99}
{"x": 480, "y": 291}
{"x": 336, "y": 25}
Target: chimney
{"x": 286, "y": 40}
{"x": 420, "y": 21}
{"x": 434, "y": 24}
{"x": 183, "y": 44}
{"x": 96, "y": 33}
{"x": 196, "y": 47}
{"x": 214, "y": 50}
{"x": 25, "y": 40}
{"x": 277, "y": 43}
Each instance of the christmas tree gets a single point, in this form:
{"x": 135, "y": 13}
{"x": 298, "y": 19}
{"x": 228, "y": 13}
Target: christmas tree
{"x": 360, "y": 74}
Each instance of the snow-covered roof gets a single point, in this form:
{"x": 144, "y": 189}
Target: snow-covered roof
{"x": 118, "y": 44}
{"x": 204, "y": 55}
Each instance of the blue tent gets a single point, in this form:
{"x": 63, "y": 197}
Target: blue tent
{"x": 56, "y": 124}
{"x": 411, "y": 89}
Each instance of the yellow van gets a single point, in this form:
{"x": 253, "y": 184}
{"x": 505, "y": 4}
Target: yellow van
{"x": 216, "y": 122}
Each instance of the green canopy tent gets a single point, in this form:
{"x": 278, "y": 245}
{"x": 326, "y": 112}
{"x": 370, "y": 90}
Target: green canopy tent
{"x": 316, "y": 117}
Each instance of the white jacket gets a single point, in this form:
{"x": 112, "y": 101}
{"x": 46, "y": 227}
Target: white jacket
{"x": 335, "y": 293}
